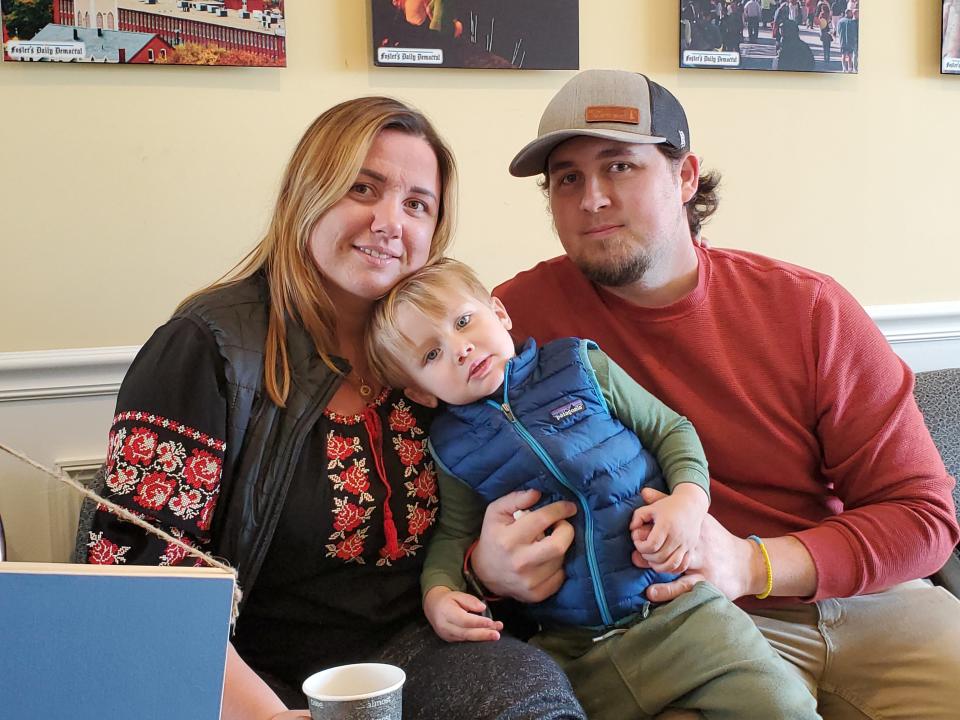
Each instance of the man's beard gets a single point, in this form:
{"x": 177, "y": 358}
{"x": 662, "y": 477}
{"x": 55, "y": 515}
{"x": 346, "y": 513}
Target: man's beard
{"x": 610, "y": 272}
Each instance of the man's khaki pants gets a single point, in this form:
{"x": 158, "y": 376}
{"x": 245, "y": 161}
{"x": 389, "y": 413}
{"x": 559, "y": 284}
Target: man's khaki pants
{"x": 893, "y": 655}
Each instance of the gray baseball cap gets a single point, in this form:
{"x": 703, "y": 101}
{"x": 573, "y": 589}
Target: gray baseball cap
{"x": 612, "y": 104}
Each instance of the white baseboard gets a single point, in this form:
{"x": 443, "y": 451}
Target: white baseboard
{"x": 925, "y": 335}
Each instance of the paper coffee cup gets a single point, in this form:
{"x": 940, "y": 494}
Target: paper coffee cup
{"x": 365, "y": 691}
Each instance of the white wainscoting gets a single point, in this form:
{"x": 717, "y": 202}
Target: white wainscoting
{"x": 56, "y": 406}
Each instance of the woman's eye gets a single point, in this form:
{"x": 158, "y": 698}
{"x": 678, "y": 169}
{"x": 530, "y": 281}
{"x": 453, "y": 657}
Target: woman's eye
{"x": 417, "y": 205}
{"x": 432, "y": 355}
{"x": 360, "y": 189}
{"x": 463, "y": 321}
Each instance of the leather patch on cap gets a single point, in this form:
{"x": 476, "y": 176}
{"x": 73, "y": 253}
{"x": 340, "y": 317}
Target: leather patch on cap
{"x": 613, "y": 113}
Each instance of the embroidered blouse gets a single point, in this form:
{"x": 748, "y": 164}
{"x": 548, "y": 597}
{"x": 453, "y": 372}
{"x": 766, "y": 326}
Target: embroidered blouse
{"x": 342, "y": 570}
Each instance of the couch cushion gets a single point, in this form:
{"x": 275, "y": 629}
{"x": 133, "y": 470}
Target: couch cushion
{"x": 938, "y": 395}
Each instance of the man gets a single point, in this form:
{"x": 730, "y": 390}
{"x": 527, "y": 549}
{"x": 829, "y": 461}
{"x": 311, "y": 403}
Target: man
{"x": 767, "y": 7}
{"x": 848, "y": 34}
{"x": 751, "y": 13}
{"x": 788, "y": 13}
{"x": 793, "y": 53}
{"x": 814, "y": 441}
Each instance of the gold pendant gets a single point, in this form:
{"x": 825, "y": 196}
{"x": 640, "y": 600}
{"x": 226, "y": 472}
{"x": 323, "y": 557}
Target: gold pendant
{"x": 365, "y": 390}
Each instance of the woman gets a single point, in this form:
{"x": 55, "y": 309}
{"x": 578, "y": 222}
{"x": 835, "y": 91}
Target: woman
{"x": 250, "y": 425}
{"x": 826, "y": 35}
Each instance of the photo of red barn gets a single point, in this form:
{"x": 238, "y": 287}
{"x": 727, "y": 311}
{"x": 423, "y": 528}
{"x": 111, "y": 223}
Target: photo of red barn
{"x": 166, "y": 32}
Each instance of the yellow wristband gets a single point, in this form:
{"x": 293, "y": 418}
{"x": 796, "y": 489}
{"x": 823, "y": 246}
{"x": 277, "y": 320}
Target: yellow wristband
{"x": 766, "y": 561}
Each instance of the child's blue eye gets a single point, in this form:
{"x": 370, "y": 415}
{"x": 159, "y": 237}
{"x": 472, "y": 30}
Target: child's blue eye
{"x": 432, "y": 355}
{"x": 463, "y": 321}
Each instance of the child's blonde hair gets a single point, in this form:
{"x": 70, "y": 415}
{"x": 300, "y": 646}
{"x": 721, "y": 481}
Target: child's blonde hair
{"x": 385, "y": 343}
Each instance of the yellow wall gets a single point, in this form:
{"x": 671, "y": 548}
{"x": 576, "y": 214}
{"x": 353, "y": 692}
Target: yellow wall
{"x": 123, "y": 188}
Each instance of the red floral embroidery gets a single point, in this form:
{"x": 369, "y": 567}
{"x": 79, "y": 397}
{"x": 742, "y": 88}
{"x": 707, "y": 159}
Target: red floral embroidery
{"x": 424, "y": 486}
{"x": 419, "y": 519}
{"x": 154, "y": 491}
{"x": 202, "y": 470}
{"x": 408, "y": 548}
{"x": 355, "y": 479}
{"x": 175, "y": 555}
{"x": 162, "y": 422}
{"x": 339, "y": 449}
{"x": 386, "y": 556}
{"x": 410, "y": 452}
{"x": 401, "y": 419}
{"x": 357, "y": 505}
{"x": 206, "y": 514}
{"x": 104, "y": 552}
{"x": 140, "y": 446}
{"x": 349, "y": 549}
{"x": 114, "y": 446}
{"x": 123, "y": 479}
{"x": 169, "y": 456}
{"x": 187, "y": 503}
{"x": 347, "y": 517}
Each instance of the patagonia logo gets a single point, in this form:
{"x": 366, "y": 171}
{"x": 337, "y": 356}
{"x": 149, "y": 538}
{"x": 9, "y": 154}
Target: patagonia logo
{"x": 565, "y": 411}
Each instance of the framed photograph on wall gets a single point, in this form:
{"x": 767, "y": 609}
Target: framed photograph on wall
{"x": 950, "y": 44}
{"x": 504, "y": 34}
{"x": 151, "y": 32}
{"x": 798, "y": 35}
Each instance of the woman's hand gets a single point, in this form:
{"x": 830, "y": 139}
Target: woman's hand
{"x": 291, "y": 715}
{"x": 726, "y": 561}
{"x": 455, "y": 616}
{"x": 522, "y": 557}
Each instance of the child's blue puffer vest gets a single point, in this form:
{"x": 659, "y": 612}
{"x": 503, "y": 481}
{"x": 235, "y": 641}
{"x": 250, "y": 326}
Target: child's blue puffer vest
{"x": 551, "y": 430}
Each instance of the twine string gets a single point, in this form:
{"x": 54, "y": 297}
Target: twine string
{"x": 125, "y": 514}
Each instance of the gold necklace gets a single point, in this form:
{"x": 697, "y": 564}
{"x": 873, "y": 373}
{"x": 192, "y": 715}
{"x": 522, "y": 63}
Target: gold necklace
{"x": 362, "y": 387}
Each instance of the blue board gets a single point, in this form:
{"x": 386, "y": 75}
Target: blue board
{"x": 103, "y": 644}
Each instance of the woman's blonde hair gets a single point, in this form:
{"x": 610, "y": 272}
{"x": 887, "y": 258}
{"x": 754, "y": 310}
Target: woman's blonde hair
{"x": 323, "y": 168}
{"x": 385, "y": 342}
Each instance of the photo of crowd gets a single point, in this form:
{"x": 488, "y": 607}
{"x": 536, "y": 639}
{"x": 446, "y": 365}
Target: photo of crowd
{"x": 798, "y": 35}
{"x": 950, "y": 46}
{"x": 529, "y": 35}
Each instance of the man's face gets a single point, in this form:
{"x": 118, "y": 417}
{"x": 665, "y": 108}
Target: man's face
{"x": 617, "y": 207}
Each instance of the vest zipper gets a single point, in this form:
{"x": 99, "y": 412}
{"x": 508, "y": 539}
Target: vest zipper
{"x": 505, "y": 408}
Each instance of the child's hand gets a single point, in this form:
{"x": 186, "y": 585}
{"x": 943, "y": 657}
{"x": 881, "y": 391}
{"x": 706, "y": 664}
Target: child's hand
{"x": 672, "y": 528}
{"x": 455, "y": 616}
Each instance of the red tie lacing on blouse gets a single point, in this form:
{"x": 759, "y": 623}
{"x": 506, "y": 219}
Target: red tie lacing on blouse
{"x": 371, "y": 421}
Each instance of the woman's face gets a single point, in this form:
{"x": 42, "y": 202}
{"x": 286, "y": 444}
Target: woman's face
{"x": 381, "y": 230}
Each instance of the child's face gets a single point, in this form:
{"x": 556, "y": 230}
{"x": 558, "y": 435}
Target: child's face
{"x": 462, "y": 357}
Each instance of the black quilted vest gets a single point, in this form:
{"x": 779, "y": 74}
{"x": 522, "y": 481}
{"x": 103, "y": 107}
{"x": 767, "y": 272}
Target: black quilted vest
{"x": 263, "y": 441}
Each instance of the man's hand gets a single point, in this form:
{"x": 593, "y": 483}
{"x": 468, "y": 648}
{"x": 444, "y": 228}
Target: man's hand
{"x": 522, "y": 557}
{"x": 728, "y": 562}
{"x": 674, "y": 528}
{"x": 455, "y": 616}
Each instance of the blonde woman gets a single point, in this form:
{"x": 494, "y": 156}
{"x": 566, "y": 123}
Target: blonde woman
{"x": 251, "y": 426}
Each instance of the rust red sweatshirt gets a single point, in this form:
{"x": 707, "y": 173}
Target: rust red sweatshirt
{"x": 806, "y": 414}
